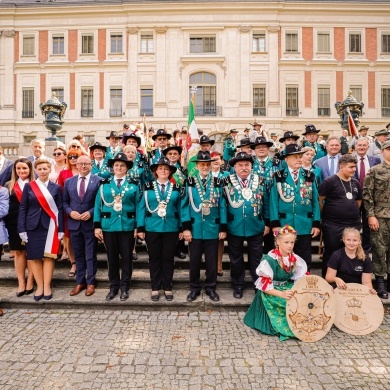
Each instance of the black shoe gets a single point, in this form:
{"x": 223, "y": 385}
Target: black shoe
{"x": 168, "y": 296}
{"x": 135, "y": 256}
{"x": 20, "y": 294}
{"x": 380, "y": 287}
{"x": 37, "y": 298}
{"x": 111, "y": 295}
{"x": 192, "y": 296}
{"x": 181, "y": 255}
{"x": 237, "y": 293}
{"x": 124, "y": 295}
{"x": 155, "y": 298}
{"x": 48, "y": 297}
{"x": 219, "y": 273}
{"x": 388, "y": 282}
{"x": 28, "y": 292}
{"x": 139, "y": 241}
{"x": 213, "y": 295}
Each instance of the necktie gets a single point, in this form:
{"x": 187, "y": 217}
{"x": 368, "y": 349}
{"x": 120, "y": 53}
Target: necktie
{"x": 82, "y": 188}
{"x": 162, "y": 189}
{"x": 362, "y": 171}
{"x": 98, "y": 165}
{"x": 118, "y": 183}
{"x": 332, "y": 172}
{"x": 244, "y": 183}
{"x": 295, "y": 176}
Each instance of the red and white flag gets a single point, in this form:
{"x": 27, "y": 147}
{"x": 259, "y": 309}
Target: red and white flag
{"x": 351, "y": 125}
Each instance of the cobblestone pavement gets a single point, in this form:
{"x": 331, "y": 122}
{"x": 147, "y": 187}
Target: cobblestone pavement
{"x": 69, "y": 349}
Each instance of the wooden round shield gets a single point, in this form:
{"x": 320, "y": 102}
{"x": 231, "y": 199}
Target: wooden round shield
{"x": 357, "y": 311}
{"x": 311, "y": 310}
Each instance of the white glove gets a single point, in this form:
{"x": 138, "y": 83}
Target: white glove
{"x": 60, "y": 235}
{"x": 23, "y": 236}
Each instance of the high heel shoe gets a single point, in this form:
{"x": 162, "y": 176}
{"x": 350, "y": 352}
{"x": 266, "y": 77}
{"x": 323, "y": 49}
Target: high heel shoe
{"x": 48, "y": 297}
{"x": 28, "y": 292}
{"x": 20, "y": 293}
{"x": 38, "y": 297}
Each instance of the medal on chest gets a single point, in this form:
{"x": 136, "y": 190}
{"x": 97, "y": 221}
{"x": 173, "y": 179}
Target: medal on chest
{"x": 162, "y": 209}
{"x": 117, "y": 203}
{"x": 247, "y": 193}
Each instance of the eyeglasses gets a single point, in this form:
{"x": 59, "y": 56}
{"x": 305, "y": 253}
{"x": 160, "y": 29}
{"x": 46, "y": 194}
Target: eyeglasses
{"x": 57, "y": 154}
{"x": 75, "y": 146}
{"x": 84, "y": 164}
{"x": 73, "y": 157}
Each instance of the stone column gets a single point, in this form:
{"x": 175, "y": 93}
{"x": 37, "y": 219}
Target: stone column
{"x": 161, "y": 70}
{"x": 245, "y": 81}
{"x": 274, "y": 108}
{"x": 7, "y": 82}
{"x": 132, "y": 73}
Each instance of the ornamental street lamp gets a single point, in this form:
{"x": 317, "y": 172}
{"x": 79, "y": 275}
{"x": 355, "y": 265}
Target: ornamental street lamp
{"x": 53, "y": 110}
{"x": 349, "y": 105}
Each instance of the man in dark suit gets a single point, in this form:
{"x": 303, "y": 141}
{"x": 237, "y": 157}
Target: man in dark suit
{"x": 4, "y": 162}
{"x": 79, "y": 201}
{"x": 38, "y": 151}
{"x": 364, "y": 163}
{"x": 329, "y": 164}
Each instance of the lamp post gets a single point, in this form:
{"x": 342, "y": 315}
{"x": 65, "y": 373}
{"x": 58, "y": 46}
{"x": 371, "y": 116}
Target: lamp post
{"x": 350, "y": 104}
{"x": 53, "y": 110}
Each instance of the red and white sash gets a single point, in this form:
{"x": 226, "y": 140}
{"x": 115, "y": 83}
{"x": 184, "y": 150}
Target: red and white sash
{"x": 18, "y": 191}
{"x": 49, "y": 206}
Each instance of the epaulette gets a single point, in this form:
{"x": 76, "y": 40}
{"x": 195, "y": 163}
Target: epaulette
{"x": 149, "y": 186}
{"x": 131, "y": 180}
{"x": 142, "y": 157}
{"x": 140, "y": 164}
{"x": 308, "y": 174}
{"x": 218, "y": 182}
{"x": 191, "y": 181}
{"x": 280, "y": 176}
{"x": 226, "y": 181}
{"x": 152, "y": 153}
{"x": 104, "y": 181}
{"x": 276, "y": 159}
{"x": 176, "y": 187}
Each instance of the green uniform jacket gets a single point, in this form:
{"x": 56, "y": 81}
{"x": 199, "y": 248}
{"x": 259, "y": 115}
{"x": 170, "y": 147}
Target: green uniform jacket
{"x": 110, "y": 220}
{"x": 137, "y": 173}
{"x": 300, "y": 208}
{"x": 204, "y": 227}
{"x": 229, "y": 148}
{"x": 111, "y": 153}
{"x": 150, "y": 221}
{"x": 246, "y": 218}
{"x": 104, "y": 171}
{"x": 266, "y": 170}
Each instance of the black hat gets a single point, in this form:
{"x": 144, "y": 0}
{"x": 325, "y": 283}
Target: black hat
{"x": 163, "y": 161}
{"x": 204, "y": 139}
{"x": 261, "y": 141}
{"x": 114, "y": 134}
{"x": 310, "y": 129}
{"x": 233, "y": 131}
{"x": 203, "y": 157}
{"x": 174, "y": 147}
{"x": 98, "y": 145}
{"x": 127, "y": 136}
{"x": 245, "y": 142}
{"x": 120, "y": 157}
{"x": 240, "y": 156}
{"x": 290, "y": 150}
{"x": 161, "y": 132}
{"x": 289, "y": 134}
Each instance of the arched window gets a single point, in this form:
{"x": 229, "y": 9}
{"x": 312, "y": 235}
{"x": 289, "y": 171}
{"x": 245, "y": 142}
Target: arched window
{"x": 205, "y": 97}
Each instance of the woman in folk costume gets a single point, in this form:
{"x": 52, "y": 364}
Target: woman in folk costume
{"x": 277, "y": 272}
{"x": 137, "y": 171}
{"x": 97, "y": 153}
{"x": 22, "y": 173}
{"x": 41, "y": 226}
{"x": 158, "y": 222}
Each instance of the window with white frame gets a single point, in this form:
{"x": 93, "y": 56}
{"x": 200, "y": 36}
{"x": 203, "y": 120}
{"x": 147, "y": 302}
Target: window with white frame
{"x": 87, "y": 102}
{"x": 87, "y": 44}
{"x": 115, "y": 101}
{"x": 28, "y": 103}
{"x": 116, "y": 43}
{"x": 258, "y": 42}
{"x": 28, "y": 45}
{"x": 323, "y": 100}
{"x": 146, "y": 102}
{"x": 147, "y": 42}
{"x": 291, "y": 42}
{"x": 202, "y": 44}
{"x": 385, "y": 42}
{"x": 259, "y": 106}
{"x": 58, "y": 44}
{"x": 59, "y": 91}
{"x": 385, "y": 101}
{"x": 323, "y": 42}
{"x": 355, "y": 42}
{"x": 292, "y": 105}
{"x": 356, "y": 92}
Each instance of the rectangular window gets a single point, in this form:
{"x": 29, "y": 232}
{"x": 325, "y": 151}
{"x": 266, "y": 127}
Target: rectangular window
{"x": 355, "y": 43}
{"x": 202, "y": 45}
{"x": 323, "y": 101}
{"x": 28, "y": 103}
{"x": 58, "y": 44}
{"x": 292, "y": 108}
{"x": 146, "y": 102}
{"x": 386, "y": 101}
{"x": 385, "y": 43}
{"x": 87, "y": 44}
{"x": 259, "y": 101}
{"x": 28, "y": 45}
{"x": 323, "y": 42}
{"x": 116, "y": 43}
{"x": 292, "y": 42}
{"x": 86, "y": 102}
{"x": 59, "y": 91}
{"x": 116, "y": 102}
{"x": 147, "y": 43}
{"x": 258, "y": 42}
{"x": 356, "y": 92}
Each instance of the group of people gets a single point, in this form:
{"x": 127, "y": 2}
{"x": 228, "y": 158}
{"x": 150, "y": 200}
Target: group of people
{"x": 275, "y": 196}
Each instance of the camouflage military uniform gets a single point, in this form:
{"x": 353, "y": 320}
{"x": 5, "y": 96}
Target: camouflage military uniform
{"x": 376, "y": 197}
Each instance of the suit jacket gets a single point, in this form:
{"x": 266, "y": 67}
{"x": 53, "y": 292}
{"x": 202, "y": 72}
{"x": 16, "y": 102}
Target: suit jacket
{"x": 32, "y": 159}
{"x": 372, "y": 161}
{"x": 6, "y": 164}
{"x": 323, "y": 164}
{"x": 31, "y": 213}
{"x": 72, "y": 201}
{"x": 4, "y": 205}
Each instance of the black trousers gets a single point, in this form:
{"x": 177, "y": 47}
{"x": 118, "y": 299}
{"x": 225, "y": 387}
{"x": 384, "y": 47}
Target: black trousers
{"x": 161, "y": 249}
{"x": 210, "y": 250}
{"x": 119, "y": 243}
{"x": 236, "y": 256}
{"x": 268, "y": 242}
{"x": 302, "y": 248}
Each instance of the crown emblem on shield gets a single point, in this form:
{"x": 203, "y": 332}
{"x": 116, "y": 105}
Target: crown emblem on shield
{"x": 354, "y": 303}
{"x": 311, "y": 281}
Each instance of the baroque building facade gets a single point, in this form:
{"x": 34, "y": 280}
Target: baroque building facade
{"x": 283, "y": 63}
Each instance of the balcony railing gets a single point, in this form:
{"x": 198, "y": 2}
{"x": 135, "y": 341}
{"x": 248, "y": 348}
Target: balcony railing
{"x": 259, "y": 112}
{"x": 146, "y": 111}
{"x": 292, "y": 111}
{"x": 385, "y": 111}
{"x": 88, "y": 112}
{"x": 324, "y": 112}
{"x": 204, "y": 111}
